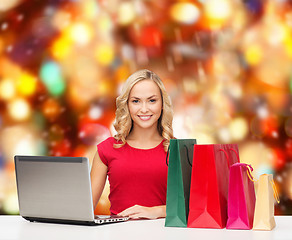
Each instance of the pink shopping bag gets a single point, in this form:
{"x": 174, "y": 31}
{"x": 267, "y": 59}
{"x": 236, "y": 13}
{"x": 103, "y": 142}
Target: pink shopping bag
{"x": 241, "y": 197}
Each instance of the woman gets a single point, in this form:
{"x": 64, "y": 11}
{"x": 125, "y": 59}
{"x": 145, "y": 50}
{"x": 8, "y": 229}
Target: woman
{"x": 134, "y": 159}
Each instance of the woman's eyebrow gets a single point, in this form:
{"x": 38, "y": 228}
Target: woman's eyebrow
{"x": 152, "y": 96}
{"x": 147, "y": 98}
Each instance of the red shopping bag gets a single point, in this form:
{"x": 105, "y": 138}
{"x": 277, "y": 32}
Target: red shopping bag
{"x": 209, "y": 185}
{"x": 241, "y": 197}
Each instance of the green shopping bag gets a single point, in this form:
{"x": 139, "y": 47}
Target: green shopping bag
{"x": 180, "y": 153}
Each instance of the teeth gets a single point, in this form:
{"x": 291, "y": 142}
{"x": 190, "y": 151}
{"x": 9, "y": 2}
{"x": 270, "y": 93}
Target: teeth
{"x": 145, "y": 117}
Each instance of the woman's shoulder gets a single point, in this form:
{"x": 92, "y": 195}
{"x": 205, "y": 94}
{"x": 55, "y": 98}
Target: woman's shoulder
{"x": 108, "y": 141}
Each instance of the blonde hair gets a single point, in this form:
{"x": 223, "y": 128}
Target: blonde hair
{"x": 123, "y": 121}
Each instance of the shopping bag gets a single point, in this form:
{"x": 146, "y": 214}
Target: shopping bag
{"x": 178, "y": 181}
{"x": 209, "y": 184}
{"x": 264, "y": 207}
{"x": 241, "y": 197}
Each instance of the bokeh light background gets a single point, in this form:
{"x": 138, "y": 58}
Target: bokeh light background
{"x": 227, "y": 66}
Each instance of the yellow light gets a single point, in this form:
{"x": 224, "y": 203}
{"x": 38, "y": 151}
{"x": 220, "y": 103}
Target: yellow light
{"x": 217, "y": 12}
{"x": 288, "y": 46}
{"x": 253, "y": 54}
{"x": 238, "y": 129}
{"x": 104, "y": 23}
{"x": 10, "y": 203}
{"x": 126, "y": 13}
{"x": 104, "y": 54}
{"x": 7, "y": 89}
{"x": 186, "y": 13}
{"x": 81, "y": 33}
{"x": 26, "y": 84}
{"x": 218, "y": 9}
{"x": 19, "y": 109}
{"x": 61, "y": 47}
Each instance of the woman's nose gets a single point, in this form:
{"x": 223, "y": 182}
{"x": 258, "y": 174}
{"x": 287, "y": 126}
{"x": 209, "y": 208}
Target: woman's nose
{"x": 144, "y": 107}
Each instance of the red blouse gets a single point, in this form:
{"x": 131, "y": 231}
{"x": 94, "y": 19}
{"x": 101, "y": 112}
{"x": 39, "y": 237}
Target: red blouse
{"x": 136, "y": 176}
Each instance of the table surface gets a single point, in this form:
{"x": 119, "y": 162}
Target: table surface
{"x": 15, "y": 227}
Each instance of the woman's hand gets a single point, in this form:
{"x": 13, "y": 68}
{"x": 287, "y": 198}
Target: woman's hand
{"x": 137, "y": 211}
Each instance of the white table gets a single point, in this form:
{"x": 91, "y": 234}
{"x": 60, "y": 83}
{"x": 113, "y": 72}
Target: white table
{"x": 15, "y": 227}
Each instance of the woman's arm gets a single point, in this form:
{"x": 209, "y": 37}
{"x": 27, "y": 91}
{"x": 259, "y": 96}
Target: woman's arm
{"x": 98, "y": 177}
{"x": 138, "y": 211}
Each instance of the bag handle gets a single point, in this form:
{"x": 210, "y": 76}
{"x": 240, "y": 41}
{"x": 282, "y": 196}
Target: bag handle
{"x": 276, "y": 195}
{"x": 226, "y": 156}
{"x": 232, "y": 149}
{"x": 188, "y": 155}
{"x": 167, "y": 154}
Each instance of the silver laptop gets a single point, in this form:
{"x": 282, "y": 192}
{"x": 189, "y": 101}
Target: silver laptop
{"x": 56, "y": 190}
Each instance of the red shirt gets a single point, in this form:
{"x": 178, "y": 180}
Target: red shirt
{"x": 136, "y": 176}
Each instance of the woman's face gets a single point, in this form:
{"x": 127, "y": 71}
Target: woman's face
{"x": 145, "y": 104}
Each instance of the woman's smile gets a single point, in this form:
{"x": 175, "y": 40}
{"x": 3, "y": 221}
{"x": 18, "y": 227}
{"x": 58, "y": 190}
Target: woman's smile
{"x": 145, "y": 117}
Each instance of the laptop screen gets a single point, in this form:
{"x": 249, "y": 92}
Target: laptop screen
{"x": 54, "y": 187}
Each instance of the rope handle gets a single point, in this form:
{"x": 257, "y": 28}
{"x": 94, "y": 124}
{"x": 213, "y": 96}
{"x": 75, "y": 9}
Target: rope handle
{"x": 276, "y": 195}
{"x": 236, "y": 154}
{"x": 226, "y": 156}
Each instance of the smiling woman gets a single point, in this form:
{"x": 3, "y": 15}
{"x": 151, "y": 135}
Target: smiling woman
{"x": 134, "y": 160}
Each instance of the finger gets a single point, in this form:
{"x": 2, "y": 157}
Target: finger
{"x": 129, "y": 211}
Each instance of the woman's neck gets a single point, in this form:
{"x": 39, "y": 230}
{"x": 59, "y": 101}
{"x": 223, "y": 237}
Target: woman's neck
{"x": 144, "y": 135}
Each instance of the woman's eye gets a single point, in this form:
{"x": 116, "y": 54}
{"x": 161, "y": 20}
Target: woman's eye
{"x": 152, "y": 100}
{"x": 135, "y": 101}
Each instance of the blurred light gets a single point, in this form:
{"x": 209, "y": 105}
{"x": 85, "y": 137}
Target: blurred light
{"x": 104, "y": 24}
{"x": 62, "y": 47}
{"x": 8, "y": 4}
{"x": 257, "y": 154}
{"x": 51, "y": 76}
{"x": 19, "y": 109}
{"x": 178, "y": 126}
{"x": 276, "y": 33}
{"x": 224, "y": 135}
{"x": 90, "y": 9}
{"x": 275, "y": 71}
{"x": 81, "y": 33}
{"x": 217, "y": 12}
{"x": 279, "y": 158}
{"x": 126, "y": 13}
{"x": 262, "y": 112}
{"x": 7, "y": 89}
{"x": 104, "y": 54}
{"x": 20, "y": 140}
{"x": 253, "y": 54}
{"x": 264, "y": 169}
{"x": 26, "y": 84}
{"x": 288, "y": 46}
{"x": 190, "y": 85}
{"x": 238, "y": 129}
{"x": 10, "y": 204}
{"x": 61, "y": 20}
{"x": 95, "y": 112}
{"x": 51, "y": 109}
{"x": 4, "y": 26}
{"x": 185, "y": 13}
{"x": 93, "y": 133}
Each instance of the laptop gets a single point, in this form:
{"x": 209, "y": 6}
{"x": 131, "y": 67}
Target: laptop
{"x": 57, "y": 190}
